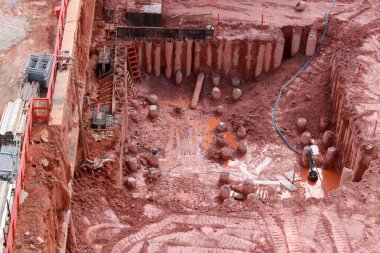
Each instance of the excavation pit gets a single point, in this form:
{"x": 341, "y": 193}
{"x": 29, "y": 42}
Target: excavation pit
{"x": 126, "y": 199}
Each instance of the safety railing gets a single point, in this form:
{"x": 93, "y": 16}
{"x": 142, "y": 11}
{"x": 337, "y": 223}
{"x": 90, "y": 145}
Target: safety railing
{"x": 39, "y": 110}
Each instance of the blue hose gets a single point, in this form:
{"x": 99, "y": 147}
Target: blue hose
{"x": 297, "y": 74}
{"x": 310, "y": 159}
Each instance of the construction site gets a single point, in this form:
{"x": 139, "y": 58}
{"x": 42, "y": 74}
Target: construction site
{"x": 190, "y": 126}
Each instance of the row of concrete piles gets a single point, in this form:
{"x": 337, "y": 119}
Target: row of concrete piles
{"x": 245, "y": 59}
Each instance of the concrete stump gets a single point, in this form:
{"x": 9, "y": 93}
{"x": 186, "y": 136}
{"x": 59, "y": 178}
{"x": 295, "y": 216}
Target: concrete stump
{"x": 215, "y": 79}
{"x": 224, "y": 177}
{"x": 236, "y": 94}
{"x": 242, "y": 147}
{"x": 135, "y": 116}
{"x": 178, "y": 77}
{"x": 305, "y": 157}
{"x": 301, "y": 125}
{"x": 153, "y": 111}
{"x": 132, "y": 164}
{"x": 153, "y": 161}
{"x": 235, "y": 81}
{"x": 132, "y": 148}
{"x": 248, "y": 187}
{"x": 216, "y": 94}
{"x": 324, "y": 124}
{"x": 130, "y": 182}
{"x": 305, "y": 139}
{"x": 152, "y": 99}
{"x": 221, "y": 127}
{"x": 219, "y": 109}
{"x": 226, "y": 154}
{"x": 251, "y": 198}
{"x": 225, "y": 192}
{"x": 221, "y": 140}
{"x": 328, "y": 139}
{"x": 330, "y": 158}
{"x": 241, "y": 133}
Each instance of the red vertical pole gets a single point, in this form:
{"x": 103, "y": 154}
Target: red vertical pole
{"x": 217, "y": 26}
{"x": 359, "y": 69}
{"x": 374, "y": 130}
{"x": 262, "y": 22}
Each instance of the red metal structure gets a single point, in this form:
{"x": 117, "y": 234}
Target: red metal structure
{"x": 133, "y": 62}
{"x": 39, "y": 110}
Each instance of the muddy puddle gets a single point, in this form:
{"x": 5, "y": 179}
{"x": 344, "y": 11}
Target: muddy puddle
{"x": 329, "y": 180}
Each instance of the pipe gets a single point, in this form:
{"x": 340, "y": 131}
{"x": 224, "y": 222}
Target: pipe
{"x": 76, "y": 92}
{"x": 197, "y": 90}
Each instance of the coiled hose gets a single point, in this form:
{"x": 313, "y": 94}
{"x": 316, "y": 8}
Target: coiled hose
{"x": 297, "y": 74}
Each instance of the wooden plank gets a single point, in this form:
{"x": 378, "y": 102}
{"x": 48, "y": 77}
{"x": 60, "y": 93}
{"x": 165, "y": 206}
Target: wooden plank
{"x": 286, "y": 183}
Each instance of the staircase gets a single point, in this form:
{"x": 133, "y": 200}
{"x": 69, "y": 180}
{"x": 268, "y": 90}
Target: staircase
{"x": 133, "y": 62}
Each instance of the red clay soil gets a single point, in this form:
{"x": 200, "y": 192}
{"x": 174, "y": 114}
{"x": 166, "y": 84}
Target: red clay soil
{"x": 181, "y": 210}
{"x": 183, "y": 203}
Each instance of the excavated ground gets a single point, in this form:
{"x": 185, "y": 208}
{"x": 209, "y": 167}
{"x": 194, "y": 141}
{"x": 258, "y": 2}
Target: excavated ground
{"x": 181, "y": 210}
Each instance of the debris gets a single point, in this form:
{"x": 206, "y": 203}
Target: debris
{"x": 286, "y": 183}
{"x": 44, "y": 162}
{"x": 27, "y": 233}
{"x": 40, "y": 240}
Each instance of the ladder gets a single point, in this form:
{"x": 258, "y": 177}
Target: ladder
{"x": 133, "y": 62}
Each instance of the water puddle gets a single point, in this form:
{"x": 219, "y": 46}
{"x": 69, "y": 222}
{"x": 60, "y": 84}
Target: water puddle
{"x": 320, "y": 189}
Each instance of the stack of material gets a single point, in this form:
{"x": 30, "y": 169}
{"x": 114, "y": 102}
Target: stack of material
{"x": 29, "y": 91}
{"x": 38, "y": 69}
{"x": 8, "y": 161}
{"x": 13, "y": 121}
{"x": 145, "y": 12}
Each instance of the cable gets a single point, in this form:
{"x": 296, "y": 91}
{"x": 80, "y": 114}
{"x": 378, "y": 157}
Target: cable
{"x": 296, "y": 75}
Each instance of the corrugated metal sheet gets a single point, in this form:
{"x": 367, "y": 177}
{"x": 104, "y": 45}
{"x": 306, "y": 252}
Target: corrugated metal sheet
{"x": 13, "y": 121}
